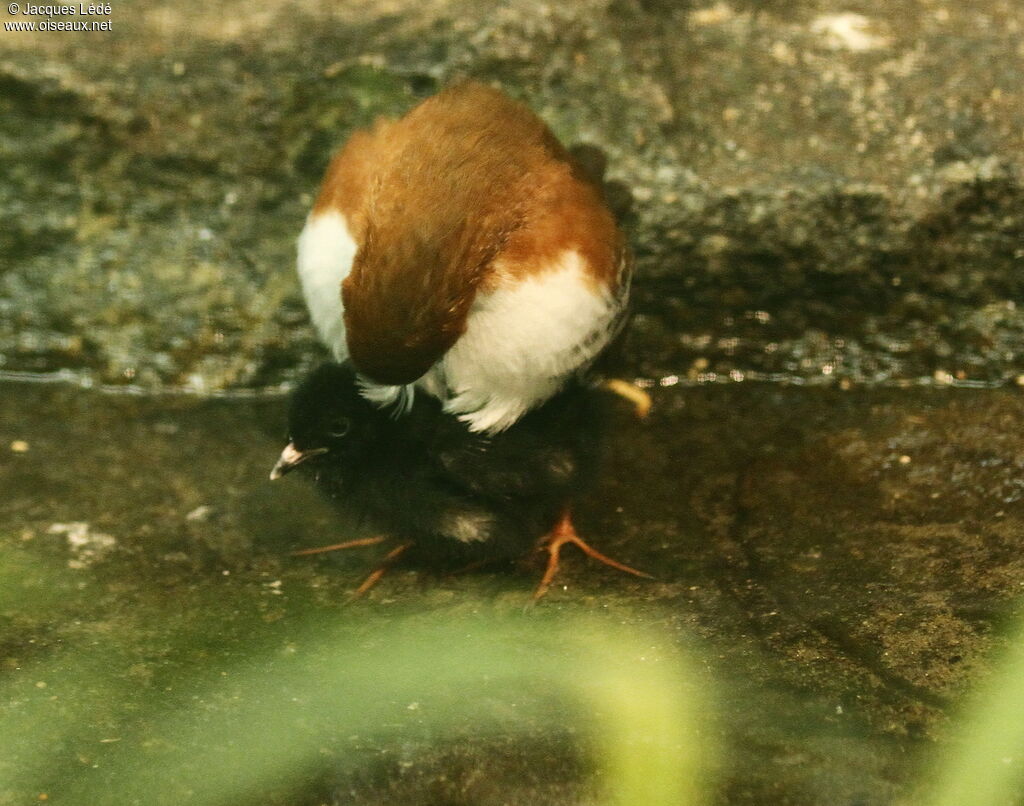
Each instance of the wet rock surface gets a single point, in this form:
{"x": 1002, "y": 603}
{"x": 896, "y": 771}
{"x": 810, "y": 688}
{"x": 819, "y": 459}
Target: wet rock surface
{"x": 839, "y": 562}
{"x": 819, "y": 192}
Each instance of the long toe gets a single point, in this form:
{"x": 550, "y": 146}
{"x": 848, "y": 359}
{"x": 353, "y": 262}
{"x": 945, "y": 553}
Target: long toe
{"x": 564, "y": 532}
{"x": 348, "y": 544}
{"x": 375, "y": 576}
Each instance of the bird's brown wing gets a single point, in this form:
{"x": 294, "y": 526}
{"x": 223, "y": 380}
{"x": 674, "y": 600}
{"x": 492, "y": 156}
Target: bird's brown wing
{"x": 467, "y": 181}
{"x": 445, "y": 195}
{"x": 407, "y": 299}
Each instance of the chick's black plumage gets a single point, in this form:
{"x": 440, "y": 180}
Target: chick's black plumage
{"x": 459, "y": 497}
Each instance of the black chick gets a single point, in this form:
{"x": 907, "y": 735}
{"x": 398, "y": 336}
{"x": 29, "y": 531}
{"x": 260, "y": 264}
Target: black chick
{"x": 450, "y": 497}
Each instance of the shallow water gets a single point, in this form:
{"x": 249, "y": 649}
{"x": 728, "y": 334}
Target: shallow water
{"x": 835, "y": 560}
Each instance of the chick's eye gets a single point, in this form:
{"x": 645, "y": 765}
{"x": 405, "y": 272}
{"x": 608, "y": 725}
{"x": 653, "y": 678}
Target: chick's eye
{"x": 340, "y": 427}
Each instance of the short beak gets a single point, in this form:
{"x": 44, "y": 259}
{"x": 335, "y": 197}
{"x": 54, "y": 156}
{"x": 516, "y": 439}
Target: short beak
{"x": 290, "y": 457}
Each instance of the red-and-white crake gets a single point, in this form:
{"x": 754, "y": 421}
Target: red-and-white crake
{"x": 461, "y": 252}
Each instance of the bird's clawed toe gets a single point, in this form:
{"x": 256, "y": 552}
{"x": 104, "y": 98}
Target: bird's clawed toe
{"x": 375, "y": 575}
{"x": 382, "y": 568}
{"x": 564, "y": 532}
{"x": 348, "y": 544}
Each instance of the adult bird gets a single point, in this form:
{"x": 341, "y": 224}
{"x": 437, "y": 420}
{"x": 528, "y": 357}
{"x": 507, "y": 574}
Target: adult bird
{"x": 462, "y": 252}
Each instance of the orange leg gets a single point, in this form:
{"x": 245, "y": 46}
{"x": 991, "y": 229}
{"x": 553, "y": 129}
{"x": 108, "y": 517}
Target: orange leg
{"x": 349, "y": 544}
{"x": 564, "y": 532}
{"x": 389, "y": 559}
{"x": 640, "y": 399}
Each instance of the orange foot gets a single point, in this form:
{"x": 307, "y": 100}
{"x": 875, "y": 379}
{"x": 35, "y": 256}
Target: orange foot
{"x": 389, "y": 559}
{"x": 564, "y": 532}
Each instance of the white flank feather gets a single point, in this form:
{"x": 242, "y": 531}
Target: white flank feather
{"x": 326, "y": 252}
{"x": 523, "y": 341}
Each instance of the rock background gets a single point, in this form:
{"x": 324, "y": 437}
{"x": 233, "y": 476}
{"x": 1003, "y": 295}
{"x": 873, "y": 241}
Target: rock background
{"x": 821, "y": 191}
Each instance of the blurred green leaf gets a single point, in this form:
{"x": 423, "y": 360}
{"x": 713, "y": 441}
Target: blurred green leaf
{"x": 265, "y": 719}
{"x": 983, "y": 765}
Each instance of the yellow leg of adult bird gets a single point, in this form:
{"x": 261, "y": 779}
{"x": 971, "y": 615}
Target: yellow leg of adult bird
{"x": 634, "y": 394}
